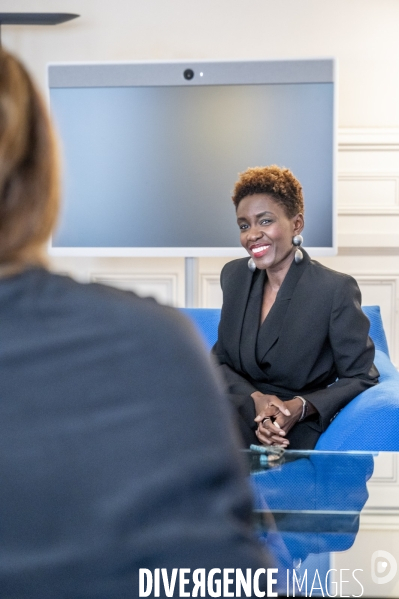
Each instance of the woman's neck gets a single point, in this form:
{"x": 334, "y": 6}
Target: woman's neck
{"x": 277, "y": 274}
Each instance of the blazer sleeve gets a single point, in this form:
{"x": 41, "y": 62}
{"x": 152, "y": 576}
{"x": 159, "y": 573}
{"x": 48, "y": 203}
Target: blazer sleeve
{"x": 238, "y": 388}
{"x": 353, "y": 352}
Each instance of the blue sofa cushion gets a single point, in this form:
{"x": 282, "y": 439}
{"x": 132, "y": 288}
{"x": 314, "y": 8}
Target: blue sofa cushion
{"x": 206, "y": 321}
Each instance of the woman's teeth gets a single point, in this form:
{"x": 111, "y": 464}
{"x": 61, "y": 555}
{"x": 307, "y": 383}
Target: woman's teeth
{"x": 260, "y": 249}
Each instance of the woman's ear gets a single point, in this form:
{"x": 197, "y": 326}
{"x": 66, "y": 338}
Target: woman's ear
{"x": 299, "y": 223}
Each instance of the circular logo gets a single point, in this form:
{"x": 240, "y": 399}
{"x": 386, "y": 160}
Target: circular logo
{"x": 383, "y": 567}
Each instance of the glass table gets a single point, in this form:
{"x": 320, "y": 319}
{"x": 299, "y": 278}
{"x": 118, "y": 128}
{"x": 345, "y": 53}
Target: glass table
{"x": 330, "y": 520}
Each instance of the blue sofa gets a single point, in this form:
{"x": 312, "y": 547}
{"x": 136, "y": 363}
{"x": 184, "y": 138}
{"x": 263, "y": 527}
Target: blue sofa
{"x": 370, "y": 422}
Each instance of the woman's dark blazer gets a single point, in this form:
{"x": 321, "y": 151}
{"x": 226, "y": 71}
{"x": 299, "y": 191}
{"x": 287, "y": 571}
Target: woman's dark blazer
{"x": 314, "y": 342}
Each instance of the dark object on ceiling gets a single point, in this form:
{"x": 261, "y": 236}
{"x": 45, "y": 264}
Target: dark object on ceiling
{"x": 35, "y": 18}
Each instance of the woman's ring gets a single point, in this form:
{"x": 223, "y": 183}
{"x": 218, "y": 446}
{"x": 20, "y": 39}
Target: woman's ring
{"x": 267, "y": 418}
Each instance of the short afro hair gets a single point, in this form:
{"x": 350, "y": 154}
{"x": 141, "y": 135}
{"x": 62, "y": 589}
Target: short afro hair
{"x": 279, "y": 183}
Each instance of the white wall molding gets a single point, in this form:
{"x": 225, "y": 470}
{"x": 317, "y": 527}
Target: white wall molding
{"x": 381, "y": 511}
{"x": 379, "y": 520}
{"x": 368, "y": 193}
{"x": 385, "y": 470}
{"x": 369, "y": 239}
{"x": 368, "y": 187}
{"x": 382, "y": 290}
{"x": 210, "y": 293}
{"x": 363, "y": 138}
{"x": 162, "y": 286}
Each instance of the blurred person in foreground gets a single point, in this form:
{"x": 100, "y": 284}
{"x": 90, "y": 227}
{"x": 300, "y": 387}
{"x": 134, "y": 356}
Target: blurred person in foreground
{"x": 116, "y": 450}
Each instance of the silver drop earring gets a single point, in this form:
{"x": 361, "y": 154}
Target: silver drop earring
{"x": 297, "y": 240}
{"x": 251, "y": 265}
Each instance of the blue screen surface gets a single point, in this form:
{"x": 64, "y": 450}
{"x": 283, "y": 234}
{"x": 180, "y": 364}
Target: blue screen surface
{"x": 155, "y": 166}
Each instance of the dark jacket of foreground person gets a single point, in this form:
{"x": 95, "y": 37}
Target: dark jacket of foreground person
{"x": 116, "y": 450}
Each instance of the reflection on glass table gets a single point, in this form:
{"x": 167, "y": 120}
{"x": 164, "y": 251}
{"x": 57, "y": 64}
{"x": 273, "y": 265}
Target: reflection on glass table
{"x": 308, "y": 506}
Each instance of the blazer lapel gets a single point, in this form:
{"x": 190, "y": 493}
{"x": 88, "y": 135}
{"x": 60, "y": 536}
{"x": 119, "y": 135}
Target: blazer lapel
{"x": 234, "y": 309}
{"x": 270, "y": 330}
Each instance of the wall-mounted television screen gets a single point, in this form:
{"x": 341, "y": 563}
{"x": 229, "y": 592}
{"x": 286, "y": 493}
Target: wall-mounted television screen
{"x": 152, "y": 150}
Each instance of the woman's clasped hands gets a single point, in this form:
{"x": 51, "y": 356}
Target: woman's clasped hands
{"x": 275, "y": 418}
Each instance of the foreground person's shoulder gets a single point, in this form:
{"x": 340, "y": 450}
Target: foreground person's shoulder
{"x": 107, "y": 302}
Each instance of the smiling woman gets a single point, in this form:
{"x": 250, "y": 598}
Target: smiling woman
{"x": 266, "y": 232}
{"x": 293, "y": 342}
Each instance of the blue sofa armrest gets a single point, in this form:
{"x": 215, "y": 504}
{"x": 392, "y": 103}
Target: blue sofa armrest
{"x": 377, "y": 332}
{"x": 370, "y": 422}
